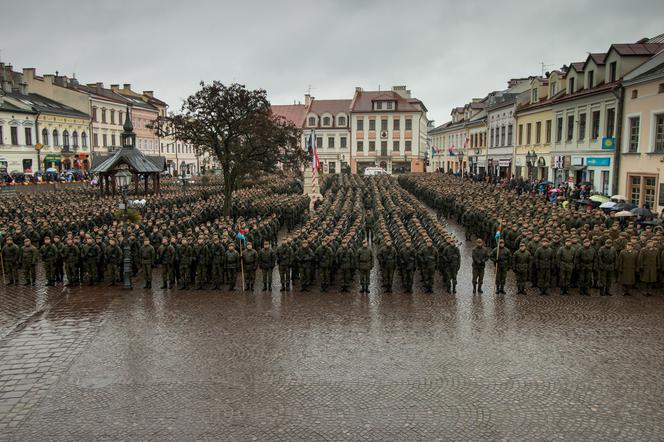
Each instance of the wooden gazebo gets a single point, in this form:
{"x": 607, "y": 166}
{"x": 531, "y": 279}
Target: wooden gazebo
{"x": 131, "y": 159}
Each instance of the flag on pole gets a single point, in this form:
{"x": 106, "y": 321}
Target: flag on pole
{"x": 499, "y": 233}
{"x": 240, "y": 235}
{"x": 312, "y": 149}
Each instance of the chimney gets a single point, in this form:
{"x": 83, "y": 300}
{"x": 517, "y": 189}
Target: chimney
{"x": 115, "y": 87}
{"x": 7, "y": 86}
{"x": 29, "y": 73}
{"x": 358, "y": 89}
{"x": 307, "y": 99}
{"x": 401, "y": 90}
{"x": 100, "y": 85}
{"x": 48, "y": 78}
{"x": 149, "y": 94}
{"x": 126, "y": 86}
{"x": 23, "y": 88}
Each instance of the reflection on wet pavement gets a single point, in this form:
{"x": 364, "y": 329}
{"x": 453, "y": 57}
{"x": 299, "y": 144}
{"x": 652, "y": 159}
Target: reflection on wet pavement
{"x": 185, "y": 365}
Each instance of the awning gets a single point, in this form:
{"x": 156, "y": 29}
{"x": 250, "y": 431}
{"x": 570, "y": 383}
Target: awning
{"x": 52, "y": 158}
{"x": 578, "y": 167}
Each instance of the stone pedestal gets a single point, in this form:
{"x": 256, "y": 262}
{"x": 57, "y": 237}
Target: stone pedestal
{"x": 312, "y": 187}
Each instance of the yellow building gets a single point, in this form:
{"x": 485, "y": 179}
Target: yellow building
{"x": 641, "y": 177}
{"x": 534, "y": 119}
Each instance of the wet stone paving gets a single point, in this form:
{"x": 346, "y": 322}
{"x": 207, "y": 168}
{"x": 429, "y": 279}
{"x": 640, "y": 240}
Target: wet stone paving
{"x": 106, "y": 364}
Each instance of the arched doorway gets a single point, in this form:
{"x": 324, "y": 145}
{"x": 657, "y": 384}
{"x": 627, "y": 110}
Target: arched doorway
{"x": 383, "y": 164}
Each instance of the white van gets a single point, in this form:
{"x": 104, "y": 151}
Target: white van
{"x": 375, "y": 171}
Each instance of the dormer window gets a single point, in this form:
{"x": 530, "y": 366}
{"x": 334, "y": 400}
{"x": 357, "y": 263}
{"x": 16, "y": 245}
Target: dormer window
{"x": 534, "y": 95}
{"x": 326, "y": 121}
{"x": 312, "y": 121}
{"x": 341, "y": 121}
{"x": 379, "y": 105}
{"x": 571, "y": 85}
{"x": 591, "y": 79}
{"x": 554, "y": 88}
{"x": 390, "y": 105}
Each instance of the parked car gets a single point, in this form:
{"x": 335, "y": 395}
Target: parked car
{"x": 375, "y": 171}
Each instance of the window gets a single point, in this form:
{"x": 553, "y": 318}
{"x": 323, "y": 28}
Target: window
{"x": 559, "y": 129}
{"x": 103, "y": 115}
{"x": 605, "y": 182}
{"x": 360, "y": 124}
{"x": 379, "y": 105}
{"x": 95, "y": 140}
{"x": 360, "y": 146}
{"x": 548, "y": 131}
{"x": 571, "y": 85}
{"x": 383, "y": 147}
{"x": 341, "y": 121}
{"x": 333, "y": 167}
{"x": 509, "y": 135}
{"x": 84, "y": 139}
{"x": 409, "y": 124}
{"x": 389, "y": 105}
{"x": 613, "y": 72}
{"x": 372, "y": 146}
{"x": 528, "y": 127}
{"x": 409, "y": 145}
{"x": 570, "y": 127}
{"x": 383, "y": 124}
{"x": 312, "y": 121}
{"x": 520, "y": 134}
{"x": 554, "y": 88}
{"x": 65, "y": 139}
{"x": 14, "y": 135}
{"x": 319, "y": 142}
{"x": 113, "y": 140}
{"x": 2, "y": 139}
{"x": 534, "y": 95}
{"x": 595, "y": 125}
{"x": 28, "y": 136}
{"x": 635, "y": 94}
{"x": 661, "y": 88}
{"x": 120, "y": 122}
{"x": 538, "y": 132}
{"x": 582, "y": 126}
{"x": 396, "y": 145}
{"x": 591, "y": 176}
{"x": 342, "y": 142}
{"x": 591, "y": 79}
{"x": 74, "y": 137}
{"x": 372, "y": 124}
{"x": 112, "y": 116}
{"x": 649, "y": 188}
{"x": 56, "y": 138}
{"x": 492, "y": 143}
{"x": 396, "y": 124}
{"x": 330, "y": 142}
{"x": 634, "y": 127}
{"x": 659, "y": 133}
{"x": 44, "y": 137}
{"x": 326, "y": 121}
{"x": 94, "y": 114}
{"x": 104, "y": 140}
{"x": 610, "y": 121}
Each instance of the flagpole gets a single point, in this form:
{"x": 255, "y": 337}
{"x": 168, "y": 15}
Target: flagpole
{"x": 241, "y": 265}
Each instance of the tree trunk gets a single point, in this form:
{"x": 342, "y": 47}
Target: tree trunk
{"x": 228, "y": 191}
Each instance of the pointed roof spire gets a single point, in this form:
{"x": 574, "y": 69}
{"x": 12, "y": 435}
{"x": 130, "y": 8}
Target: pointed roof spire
{"x": 128, "y": 127}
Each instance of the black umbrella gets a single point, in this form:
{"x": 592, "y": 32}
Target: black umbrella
{"x": 641, "y": 211}
{"x": 652, "y": 223}
{"x": 622, "y": 206}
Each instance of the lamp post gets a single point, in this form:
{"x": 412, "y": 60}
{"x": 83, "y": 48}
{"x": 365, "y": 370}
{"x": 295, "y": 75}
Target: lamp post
{"x": 477, "y": 157}
{"x": 122, "y": 180}
{"x": 531, "y": 157}
{"x": 183, "y": 167}
{"x": 461, "y": 155}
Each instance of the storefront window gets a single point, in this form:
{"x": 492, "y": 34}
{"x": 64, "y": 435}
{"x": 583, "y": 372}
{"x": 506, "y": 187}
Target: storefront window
{"x": 649, "y": 187}
{"x": 27, "y": 166}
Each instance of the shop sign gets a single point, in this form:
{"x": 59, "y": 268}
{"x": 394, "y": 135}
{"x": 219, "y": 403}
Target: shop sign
{"x": 598, "y": 161}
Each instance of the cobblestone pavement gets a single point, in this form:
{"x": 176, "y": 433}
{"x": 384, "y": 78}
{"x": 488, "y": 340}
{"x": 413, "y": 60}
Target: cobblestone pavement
{"x": 106, "y": 364}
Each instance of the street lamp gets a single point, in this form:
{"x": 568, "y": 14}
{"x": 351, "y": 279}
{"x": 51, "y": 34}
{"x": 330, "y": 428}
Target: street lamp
{"x": 460, "y": 155}
{"x": 531, "y": 157}
{"x": 122, "y": 180}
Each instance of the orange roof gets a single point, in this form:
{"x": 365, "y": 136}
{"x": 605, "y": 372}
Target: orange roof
{"x": 362, "y": 102}
{"x": 292, "y": 112}
{"x": 331, "y": 106}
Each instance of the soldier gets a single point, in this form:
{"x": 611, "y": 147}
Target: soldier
{"x": 29, "y": 255}
{"x": 428, "y": 257}
{"x": 147, "y": 254}
{"x": 305, "y": 258}
{"x": 480, "y": 257}
{"x": 544, "y": 258}
{"x": 217, "y": 254}
{"x": 345, "y": 261}
{"x": 11, "y": 256}
{"x": 648, "y": 266}
{"x": 387, "y": 259}
{"x": 201, "y": 256}
{"x": 113, "y": 260}
{"x": 59, "y": 261}
{"x": 585, "y": 261}
{"x": 101, "y": 264}
{"x": 250, "y": 261}
{"x": 71, "y": 256}
{"x": 364, "y": 265}
{"x": 521, "y": 260}
{"x": 232, "y": 262}
{"x": 267, "y": 258}
{"x": 453, "y": 262}
{"x": 325, "y": 257}
{"x": 606, "y": 262}
{"x": 627, "y": 264}
{"x": 90, "y": 257}
{"x": 185, "y": 257}
{"x": 407, "y": 262}
{"x": 49, "y": 254}
{"x": 501, "y": 256}
{"x": 284, "y": 257}
{"x": 565, "y": 260}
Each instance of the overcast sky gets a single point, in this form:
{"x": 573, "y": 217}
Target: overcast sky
{"x": 446, "y": 52}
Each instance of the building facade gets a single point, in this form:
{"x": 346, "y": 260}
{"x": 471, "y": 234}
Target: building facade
{"x": 389, "y": 130}
{"x": 330, "y": 121}
{"x": 17, "y": 138}
{"x": 642, "y": 148}
{"x": 143, "y": 114}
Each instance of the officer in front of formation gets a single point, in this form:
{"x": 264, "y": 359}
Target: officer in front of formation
{"x": 480, "y": 256}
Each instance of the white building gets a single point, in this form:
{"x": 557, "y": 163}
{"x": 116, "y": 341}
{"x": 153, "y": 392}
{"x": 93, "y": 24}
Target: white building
{"x": 17, "y": 138}
{"x": 330, "y": 120}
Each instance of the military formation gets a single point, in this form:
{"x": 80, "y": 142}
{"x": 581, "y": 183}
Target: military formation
{"x": 545, "y": 245}
{"x": 81, "y": 238}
